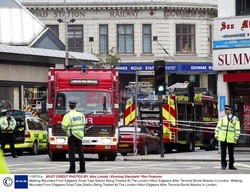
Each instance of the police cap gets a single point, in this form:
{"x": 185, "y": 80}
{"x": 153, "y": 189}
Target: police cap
{"x": 72, "y": 102}
{"x": 227, "y": 107}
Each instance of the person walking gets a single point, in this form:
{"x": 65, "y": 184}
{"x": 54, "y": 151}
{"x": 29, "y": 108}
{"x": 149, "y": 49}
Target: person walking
{"x": 8, "y": 125}
{"x": 73, "y": 123}
{"x": 227, "y": 132}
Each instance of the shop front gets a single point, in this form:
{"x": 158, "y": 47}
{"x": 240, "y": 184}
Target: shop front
{"x": 231, "y": 58}
{"x": 239, "y": 87}
{"x": 205, "y": 77}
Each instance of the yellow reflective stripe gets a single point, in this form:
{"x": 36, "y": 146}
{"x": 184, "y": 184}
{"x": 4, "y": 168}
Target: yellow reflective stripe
{"x": 168, "y": 116}
{"x": 71, "y": 123}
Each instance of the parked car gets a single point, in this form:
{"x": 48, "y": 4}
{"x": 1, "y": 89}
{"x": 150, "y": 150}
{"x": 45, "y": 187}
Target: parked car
{"x": 31, "y": 133}
{"x": 147, "y": 142}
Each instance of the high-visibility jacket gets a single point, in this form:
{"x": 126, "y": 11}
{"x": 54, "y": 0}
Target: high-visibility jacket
{"x": 3, "y": 166}
{"x": 228, "y": 130}
{"x": 73, "y": 123}
{"x": 5, "y": 125}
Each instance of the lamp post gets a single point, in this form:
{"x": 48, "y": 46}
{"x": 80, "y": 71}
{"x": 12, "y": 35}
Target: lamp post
{"x": 66, "y": 35}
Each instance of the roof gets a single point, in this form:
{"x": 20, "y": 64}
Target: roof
{"x": 116, "y": 2}
{"x": 15, "y": 16}
{"x": 47, "y": 40}
{"x": 45, "y": 56}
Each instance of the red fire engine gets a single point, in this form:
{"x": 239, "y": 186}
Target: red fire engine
{"x": 96, "y": 91}
{"x": 186, "y": 125}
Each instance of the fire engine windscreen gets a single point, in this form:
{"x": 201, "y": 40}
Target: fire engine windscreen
{"x": 88, "y": 102}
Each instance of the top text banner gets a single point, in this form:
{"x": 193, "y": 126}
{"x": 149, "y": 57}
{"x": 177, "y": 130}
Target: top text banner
{"x": 231, "y": 28}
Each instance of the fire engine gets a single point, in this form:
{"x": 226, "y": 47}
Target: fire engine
{"x": 186, "y": 125}
{"x": 96, "y": 91}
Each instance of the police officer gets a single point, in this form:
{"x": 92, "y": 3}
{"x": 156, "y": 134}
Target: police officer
{"x": 227, "y": 132}
{"x": 73, "y": 123}
{"x": 8, "y": 125}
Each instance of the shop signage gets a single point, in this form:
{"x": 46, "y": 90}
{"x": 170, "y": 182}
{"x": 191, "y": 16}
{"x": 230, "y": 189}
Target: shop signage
{"x": 246, "y": 118}
{"x": 232, "y": 29}
{"x": 222, "y": 103}
{"x": 231, "y": 44}
{"x": 231, "y": 59}
{"x": 172, "y": 68}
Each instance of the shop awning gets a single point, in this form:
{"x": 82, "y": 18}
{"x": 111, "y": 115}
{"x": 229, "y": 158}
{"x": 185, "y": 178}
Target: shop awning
{"x": 237, "y": 77}
{"x": 46, "y": 57}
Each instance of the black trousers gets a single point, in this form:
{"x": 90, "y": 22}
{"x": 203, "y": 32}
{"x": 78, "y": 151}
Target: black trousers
{"x": 75, "y": 144}
{"x": 8, "y": 138}
{"x": 224, "y": 146}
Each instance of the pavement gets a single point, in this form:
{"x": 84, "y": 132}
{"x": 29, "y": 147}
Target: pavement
{"x": 240, "y": 155}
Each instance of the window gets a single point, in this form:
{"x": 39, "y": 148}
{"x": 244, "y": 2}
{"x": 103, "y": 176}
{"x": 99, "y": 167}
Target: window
{"x": 210, "y": 39}
{"x": 242, "y": 7}
{"x": 125, "y": 35}
{"x": 147, "y": 34}
{"x": 185, "y": 38}
{"x": 54, "y": 28}
{"x": 38, "y": 124}
{"x": 75, "y": 38}
{"x": 88, "y": 102}
{"x": 103, "y": 34}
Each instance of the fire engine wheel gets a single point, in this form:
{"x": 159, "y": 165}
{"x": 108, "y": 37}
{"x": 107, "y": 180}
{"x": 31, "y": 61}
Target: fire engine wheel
{"x": 190, "y": 147}
{"x": 55, "y": 156}
{"x": 102, "y": 156}
{"x": 212, "y": 145}
{"x": 144, "y": 150}
{"x": 34, "y": 149}
{"x": 111, "y": 156}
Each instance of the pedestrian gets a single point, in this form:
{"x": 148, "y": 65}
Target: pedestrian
{"x": 73, "y": 123}
{"x": 227, "y": 132}
{"x": 8, "y": 125}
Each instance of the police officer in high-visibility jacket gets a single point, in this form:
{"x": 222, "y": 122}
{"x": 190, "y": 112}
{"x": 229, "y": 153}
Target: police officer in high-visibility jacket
{"x": 73, "y": 123}
{"x": 3, "y": 166}
{"x": 8, "y": 125}
{"x": 227, "y": 132}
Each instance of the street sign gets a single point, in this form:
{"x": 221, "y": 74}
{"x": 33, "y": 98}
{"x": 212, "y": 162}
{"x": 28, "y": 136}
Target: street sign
{"x": 191, "y": 78}
{"x": 146, "y": 72}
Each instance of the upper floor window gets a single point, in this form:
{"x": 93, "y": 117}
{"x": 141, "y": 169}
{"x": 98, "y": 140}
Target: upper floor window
{"x": 147, "y": 34}
{"x": 185, "y": 38}
{"x": 75, "y": 38}
{"x": 242, "y": 7}
{"x": 103, "y": 43}
{"x": 54, "y": 28}
{"x": 210, "y": 39}
{"x": 125, "y": 34}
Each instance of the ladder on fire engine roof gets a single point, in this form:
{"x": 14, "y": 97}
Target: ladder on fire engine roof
{"x": 143, "y": 87}
{"x": 182, "y": 88}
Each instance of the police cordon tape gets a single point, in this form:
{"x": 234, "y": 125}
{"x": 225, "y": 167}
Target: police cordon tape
{"x": 154, "y": 123}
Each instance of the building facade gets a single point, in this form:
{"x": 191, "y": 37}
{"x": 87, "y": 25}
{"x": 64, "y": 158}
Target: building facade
{"x": 231, "y": 58}
{"x": 182, "y": 27}
{"x": 27, "y": 50}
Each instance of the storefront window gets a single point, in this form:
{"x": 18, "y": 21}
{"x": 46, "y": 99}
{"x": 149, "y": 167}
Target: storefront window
{"x": 241, "y": 102}
{"x": 33, "y": 97}
{"x": 6, "y": 98}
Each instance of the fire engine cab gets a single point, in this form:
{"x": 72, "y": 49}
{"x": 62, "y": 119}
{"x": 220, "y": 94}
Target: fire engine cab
{"x": 96, "y": 91}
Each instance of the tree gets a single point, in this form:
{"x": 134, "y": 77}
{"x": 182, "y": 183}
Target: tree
{"x": 111, "y": 59}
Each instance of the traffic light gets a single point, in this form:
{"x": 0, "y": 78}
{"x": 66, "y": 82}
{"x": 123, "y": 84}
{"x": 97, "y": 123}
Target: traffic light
{"x": 160, "y": 77}
{"x": 191, "y": 92}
